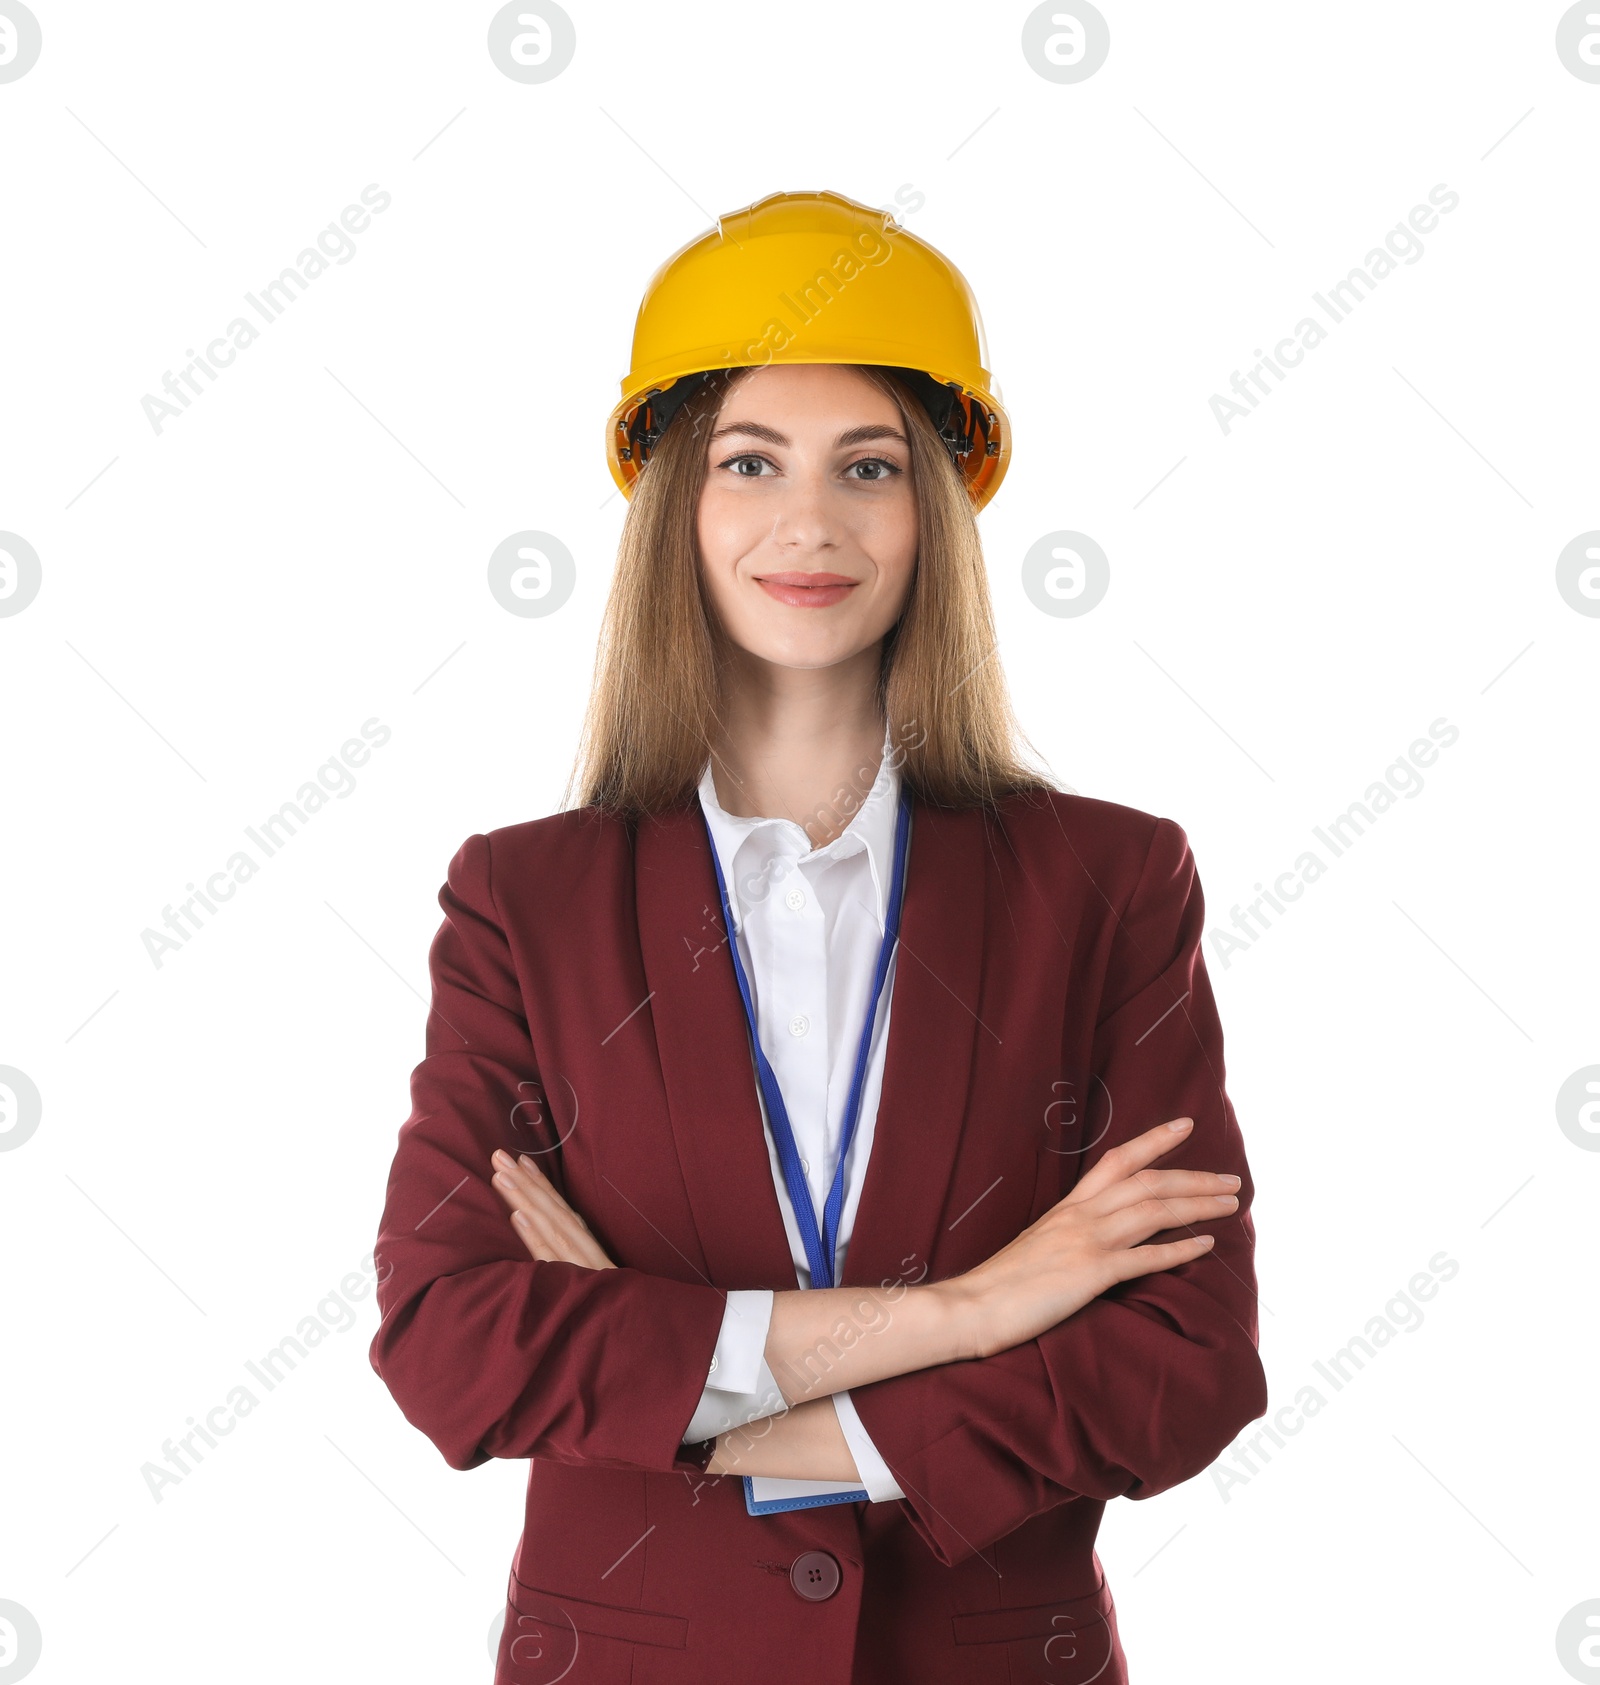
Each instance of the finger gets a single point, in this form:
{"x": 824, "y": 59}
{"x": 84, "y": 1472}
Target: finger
{"x": 531, "y": 1236}
{"x": 536, "y": 1172}
{"x": 558, "y": 1238}
{"x": 559, "y": 1232}
{"x": 542, "y": 1238}
{"x": 1163, "y": 1184}
{"x": 1145, "y": 1260}
{"x": 528, "y": 1171}
{"x": 519, "y": 1195}
{"x": 577, "y": 1246}
{"x": 1127, "y": 1156}
{"x": 1150, "y": 1216}
{"x": 536, "y": 1182}
{"x": 524, "y": 1185}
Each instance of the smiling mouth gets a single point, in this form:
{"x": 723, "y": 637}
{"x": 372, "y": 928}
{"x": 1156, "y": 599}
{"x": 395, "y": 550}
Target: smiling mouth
{"x": 807, "y": 590}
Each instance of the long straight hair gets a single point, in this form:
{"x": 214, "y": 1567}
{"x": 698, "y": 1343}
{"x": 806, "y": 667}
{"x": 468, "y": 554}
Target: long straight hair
{"x": 657, "y": 696}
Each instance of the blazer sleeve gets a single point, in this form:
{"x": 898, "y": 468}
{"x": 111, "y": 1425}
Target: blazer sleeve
{"x": 488, "y": 1351}
{"x": 1144, "y": 1386}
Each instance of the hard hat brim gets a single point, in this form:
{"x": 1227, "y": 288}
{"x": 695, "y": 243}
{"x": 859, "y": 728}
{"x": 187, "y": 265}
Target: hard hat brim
{"x": 982, "y": 478}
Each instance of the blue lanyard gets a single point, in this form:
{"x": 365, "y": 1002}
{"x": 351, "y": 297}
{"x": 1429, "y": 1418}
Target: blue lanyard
{"x": 819, "y": 1255}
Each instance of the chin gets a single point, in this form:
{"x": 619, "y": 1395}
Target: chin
{"x": 781, "y": 641}
{"x": 805, "y": 661}
{"x": 805, "y": 654}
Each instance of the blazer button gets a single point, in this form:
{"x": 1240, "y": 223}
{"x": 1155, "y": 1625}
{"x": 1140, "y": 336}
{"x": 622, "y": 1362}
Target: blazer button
{"x": 814, "y": 1575}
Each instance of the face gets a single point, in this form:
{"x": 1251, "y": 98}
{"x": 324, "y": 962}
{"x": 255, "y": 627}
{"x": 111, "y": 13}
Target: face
{"x": 808, "y": 520}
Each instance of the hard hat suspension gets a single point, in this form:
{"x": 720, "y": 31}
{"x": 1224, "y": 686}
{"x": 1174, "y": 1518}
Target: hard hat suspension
{"x": 959, "y": 419}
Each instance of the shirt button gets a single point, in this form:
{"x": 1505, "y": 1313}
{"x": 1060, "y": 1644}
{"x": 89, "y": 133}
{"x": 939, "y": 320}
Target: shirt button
{"x": 799, "y": 1024}
{"x": 796, "y": 898}
{"x": 805, "y": 1165}
{"x": 713, "y": 1369}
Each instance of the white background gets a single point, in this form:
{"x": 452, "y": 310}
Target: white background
{"x": 305, "y": 548}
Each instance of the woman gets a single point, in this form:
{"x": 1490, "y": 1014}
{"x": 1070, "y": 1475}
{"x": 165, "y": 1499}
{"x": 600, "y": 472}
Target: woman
{"x": 827, "y": 1345}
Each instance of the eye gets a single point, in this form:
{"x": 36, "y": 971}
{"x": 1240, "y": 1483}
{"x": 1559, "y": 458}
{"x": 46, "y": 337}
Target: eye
{"x": 748, "y": 466}
{"x": 878, "y": 468}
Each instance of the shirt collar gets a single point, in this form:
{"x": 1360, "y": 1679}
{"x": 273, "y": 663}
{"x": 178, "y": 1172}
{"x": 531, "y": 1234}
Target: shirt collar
{"x": 746, "y": 845}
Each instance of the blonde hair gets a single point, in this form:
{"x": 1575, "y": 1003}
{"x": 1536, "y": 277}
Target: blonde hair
{"x": 656, "y": 697}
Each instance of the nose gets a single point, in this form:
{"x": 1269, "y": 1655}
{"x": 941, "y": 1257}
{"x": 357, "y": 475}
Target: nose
{"x": 806, "y": 519}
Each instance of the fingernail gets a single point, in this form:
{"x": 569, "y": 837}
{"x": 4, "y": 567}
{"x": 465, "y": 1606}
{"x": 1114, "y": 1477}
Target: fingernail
{"x": 1233, "y": 1181}
{"x": 1180, "y": 1123}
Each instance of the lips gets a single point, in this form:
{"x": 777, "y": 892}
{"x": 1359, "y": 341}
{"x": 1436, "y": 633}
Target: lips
{"x": 807, "y": 590}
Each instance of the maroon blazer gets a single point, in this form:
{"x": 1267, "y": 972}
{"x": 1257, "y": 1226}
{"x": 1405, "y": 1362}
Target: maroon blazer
{"x": 1050, "y": 1000}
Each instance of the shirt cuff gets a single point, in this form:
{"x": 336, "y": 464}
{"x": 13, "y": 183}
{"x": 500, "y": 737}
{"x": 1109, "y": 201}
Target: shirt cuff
{"x": 881, "y": 1486}
{"x": 739, "y": 1386}
{"x": 737, "y": 1362}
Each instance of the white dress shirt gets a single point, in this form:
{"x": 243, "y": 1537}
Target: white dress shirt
{"x": 809, "y": 923}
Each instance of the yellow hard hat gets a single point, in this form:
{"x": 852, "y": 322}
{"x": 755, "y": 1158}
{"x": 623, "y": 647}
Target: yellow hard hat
{"x": 813, "y": 278}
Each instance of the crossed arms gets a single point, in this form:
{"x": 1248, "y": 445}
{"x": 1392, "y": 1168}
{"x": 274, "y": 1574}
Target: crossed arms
{"x": 496, "y": 1351}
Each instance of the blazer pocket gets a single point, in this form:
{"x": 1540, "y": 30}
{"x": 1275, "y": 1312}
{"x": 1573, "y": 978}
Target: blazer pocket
{"x": 1049, "y": 1621}
{"x": 562, "y": 1613}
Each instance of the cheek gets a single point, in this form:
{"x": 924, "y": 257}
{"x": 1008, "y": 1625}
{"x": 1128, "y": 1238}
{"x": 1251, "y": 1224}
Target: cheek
{"x": 724, "y": 531}
{"x": 892, "y": 539}
{"x": 707, "y": 531}
{"x": 711, "y": 541}
{"x": 724, "y": 538}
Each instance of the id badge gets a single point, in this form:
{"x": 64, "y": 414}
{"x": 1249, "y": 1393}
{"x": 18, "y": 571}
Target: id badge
{"x": 767, "y": 1495}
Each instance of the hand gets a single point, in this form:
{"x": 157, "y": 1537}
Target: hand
{"x": 550, "y": 1229}
{"x": 1086, "y": 1242}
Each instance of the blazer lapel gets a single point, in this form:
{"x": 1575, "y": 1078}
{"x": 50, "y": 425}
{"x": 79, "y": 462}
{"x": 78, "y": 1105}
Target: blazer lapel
{"x": 704, "y": 1048}
{"x": 933, "y": 1030}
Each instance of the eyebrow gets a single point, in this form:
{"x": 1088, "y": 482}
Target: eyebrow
{"x": 852, "y": 436}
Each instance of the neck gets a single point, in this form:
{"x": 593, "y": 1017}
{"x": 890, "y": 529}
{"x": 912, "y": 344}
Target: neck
{"x": 794, "y": 741}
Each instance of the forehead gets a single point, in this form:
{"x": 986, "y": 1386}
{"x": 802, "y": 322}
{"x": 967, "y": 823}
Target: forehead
{"x": 821, "y": 393}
